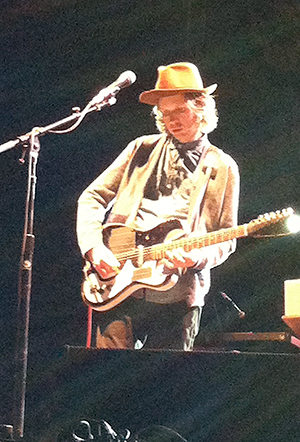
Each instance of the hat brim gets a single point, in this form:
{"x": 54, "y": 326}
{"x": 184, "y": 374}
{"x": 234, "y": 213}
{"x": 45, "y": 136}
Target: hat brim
{"x": 153, "y": 96}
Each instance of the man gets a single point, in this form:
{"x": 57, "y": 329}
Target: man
{"x": 179, "y": 175}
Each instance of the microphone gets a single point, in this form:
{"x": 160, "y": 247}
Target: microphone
{"x": 126, "y": 79}
{"x": 240, "y": 312}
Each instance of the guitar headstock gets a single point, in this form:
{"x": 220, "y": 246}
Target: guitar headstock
{"x": 268, "y": 219}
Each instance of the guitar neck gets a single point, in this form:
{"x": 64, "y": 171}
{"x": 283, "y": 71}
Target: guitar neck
{"x": 159, "y": 251}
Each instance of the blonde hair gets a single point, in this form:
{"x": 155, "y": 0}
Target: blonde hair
{"x": 202, "y": 104}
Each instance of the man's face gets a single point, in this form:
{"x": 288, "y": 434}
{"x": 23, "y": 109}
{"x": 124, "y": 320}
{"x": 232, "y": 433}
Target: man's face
{"x": 179, "y": 119}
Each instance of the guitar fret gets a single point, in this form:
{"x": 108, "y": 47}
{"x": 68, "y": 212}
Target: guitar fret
{"x": 214, "y": 238}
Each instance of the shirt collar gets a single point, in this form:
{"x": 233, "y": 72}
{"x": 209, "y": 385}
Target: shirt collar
{"x": 197, "y": 145}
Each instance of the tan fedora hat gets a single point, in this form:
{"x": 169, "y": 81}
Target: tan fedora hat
{"x": 173, "y": 78}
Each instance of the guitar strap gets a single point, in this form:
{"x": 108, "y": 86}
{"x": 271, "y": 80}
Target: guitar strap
{"x": 206, "y": 169}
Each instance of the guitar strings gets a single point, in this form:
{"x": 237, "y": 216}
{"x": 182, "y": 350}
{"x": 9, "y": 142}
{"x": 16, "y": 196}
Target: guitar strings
{"x": 158, "y": 251}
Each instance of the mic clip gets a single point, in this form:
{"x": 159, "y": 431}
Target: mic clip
{"x": 107, "y": 101}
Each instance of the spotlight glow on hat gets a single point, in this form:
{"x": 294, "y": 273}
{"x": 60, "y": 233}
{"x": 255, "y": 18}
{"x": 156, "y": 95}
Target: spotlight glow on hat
{"x": 174, "y": 78}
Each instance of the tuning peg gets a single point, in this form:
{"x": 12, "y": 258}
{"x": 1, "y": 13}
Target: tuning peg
{"x": 289, "y": 211}
{"x": 293, "y": 223}
{"x": 267, "y": 216}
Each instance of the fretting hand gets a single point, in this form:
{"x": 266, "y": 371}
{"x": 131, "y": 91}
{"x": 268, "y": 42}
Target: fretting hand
{"x": 179, "y": 258}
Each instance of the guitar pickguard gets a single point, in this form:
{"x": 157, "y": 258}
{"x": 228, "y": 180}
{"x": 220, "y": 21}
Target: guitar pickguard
{"x": 105, "y": 295}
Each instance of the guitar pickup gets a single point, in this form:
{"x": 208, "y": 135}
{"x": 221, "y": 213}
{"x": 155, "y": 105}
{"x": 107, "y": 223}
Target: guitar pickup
{"x": 142, "y": 273}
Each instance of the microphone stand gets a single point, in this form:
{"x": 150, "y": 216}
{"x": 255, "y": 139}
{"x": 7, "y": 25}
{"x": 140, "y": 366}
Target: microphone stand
{"x": 31, "y": 143}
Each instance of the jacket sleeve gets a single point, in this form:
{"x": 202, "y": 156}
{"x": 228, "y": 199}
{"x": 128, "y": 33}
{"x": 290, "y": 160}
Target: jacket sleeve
{"x": 95, "y": 201}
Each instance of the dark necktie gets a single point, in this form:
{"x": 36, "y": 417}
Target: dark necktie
{"x": 189, "y": 153}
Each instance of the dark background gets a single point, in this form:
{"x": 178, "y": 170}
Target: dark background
{"x": 55, "y": 55}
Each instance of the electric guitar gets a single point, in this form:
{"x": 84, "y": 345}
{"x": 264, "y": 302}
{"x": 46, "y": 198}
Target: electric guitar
{"x": 138, "y": 253}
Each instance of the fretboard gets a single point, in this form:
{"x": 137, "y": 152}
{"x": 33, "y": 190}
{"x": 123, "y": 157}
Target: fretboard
{"x": 159, "y": 251}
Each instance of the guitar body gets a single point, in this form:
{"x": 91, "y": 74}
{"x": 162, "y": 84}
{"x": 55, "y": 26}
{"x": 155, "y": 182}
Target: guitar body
{"x": 135, "y": 273}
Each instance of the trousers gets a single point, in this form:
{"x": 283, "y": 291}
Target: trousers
{"x": 140, "y": 324}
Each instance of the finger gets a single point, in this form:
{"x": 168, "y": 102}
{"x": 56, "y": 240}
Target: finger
{"x": 109, "y": 259}
{"x": 105, "y": 270}
{"x": 165, "y": 262}
{"x": 175, "y": 256}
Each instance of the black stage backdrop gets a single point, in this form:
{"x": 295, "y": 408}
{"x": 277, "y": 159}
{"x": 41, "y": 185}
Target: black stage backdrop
{"x": 57, "y": 54}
